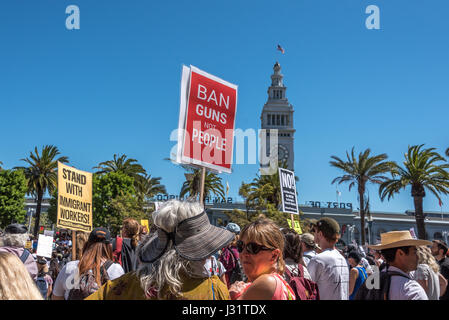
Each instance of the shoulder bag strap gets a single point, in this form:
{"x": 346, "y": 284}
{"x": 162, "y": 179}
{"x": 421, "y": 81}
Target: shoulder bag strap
{"x": 300, "y": 270}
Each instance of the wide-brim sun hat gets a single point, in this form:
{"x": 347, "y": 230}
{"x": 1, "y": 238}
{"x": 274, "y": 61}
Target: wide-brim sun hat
{"x": 395, "y": 239}
{"x": 193, "y": 239}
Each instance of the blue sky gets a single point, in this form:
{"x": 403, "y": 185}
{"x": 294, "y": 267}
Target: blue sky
{"x": 113, "y": 86}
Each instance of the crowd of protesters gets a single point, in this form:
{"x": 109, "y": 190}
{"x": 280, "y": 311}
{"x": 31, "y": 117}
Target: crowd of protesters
{"x": 185, "y": 257}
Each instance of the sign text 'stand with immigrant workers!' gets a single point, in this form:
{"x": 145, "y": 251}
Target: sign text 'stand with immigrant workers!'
{"x": 74, "y": 199}
{"x": 206, "y": 120}
{"x": 288, "y": 191}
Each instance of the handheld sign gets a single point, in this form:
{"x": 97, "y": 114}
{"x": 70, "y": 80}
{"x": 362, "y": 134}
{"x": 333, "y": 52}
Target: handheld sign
{"x": 44, "y": 246}
{"x": 206, "y": 120}
{"x": 297, "y": 226}
{"x": 74, "y": 199}
{"x": 288, "y": 191}
{"x": 144, "y": 222}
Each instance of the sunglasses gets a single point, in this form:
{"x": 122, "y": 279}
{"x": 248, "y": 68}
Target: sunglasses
{"x": 251, "y": 248}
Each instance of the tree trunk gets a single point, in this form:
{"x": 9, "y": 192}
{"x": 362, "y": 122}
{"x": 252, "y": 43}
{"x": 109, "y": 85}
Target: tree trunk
{"x": 362, "y": 214}
{"x": 419, "y": 216}
{"x": 40, "y": 195}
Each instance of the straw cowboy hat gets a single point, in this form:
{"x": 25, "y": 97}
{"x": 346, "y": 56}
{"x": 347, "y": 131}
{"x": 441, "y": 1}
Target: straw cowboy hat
{"x": 395, "y": 239}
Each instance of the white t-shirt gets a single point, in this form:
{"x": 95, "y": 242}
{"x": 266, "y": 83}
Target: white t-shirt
{"x": 307, "y": 256}
{"x": 65, "y": 279}
{"x": 330, "y": 271}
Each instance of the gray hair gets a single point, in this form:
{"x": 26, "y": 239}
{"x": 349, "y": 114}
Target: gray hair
{"x": 162, "y": 278}
{"x": 15, "y": 239}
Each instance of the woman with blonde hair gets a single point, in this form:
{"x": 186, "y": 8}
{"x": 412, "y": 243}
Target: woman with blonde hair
{"x": 15, "y": 280}
{"x": 261, "y": 248}
{"x": 428, "y": 274}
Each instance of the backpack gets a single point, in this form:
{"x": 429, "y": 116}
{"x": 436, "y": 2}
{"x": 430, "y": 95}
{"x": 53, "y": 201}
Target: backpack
{"x": 87, "y": 283}
{"x": 236, "y": 273}
{"x": 303, "y": 288}
{"x": 117, "y": 250}
{"x": 42, "y": 285}
{"x": 381, "y": 293}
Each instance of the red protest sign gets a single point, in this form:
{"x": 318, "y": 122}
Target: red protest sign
{"x": 209, "y": 109}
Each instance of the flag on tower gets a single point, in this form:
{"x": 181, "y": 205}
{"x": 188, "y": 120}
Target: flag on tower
{"x": 338, "y": 193}
{"x": 281, "y": 49}
{"x": 440, "y": 203}
{"x": 227, "y": 189}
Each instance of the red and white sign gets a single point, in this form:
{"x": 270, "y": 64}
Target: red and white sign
{"x": 206, "y": 120}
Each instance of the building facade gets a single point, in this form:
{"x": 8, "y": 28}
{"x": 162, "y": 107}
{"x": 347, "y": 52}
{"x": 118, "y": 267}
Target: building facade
{"x": 437, "y": 224}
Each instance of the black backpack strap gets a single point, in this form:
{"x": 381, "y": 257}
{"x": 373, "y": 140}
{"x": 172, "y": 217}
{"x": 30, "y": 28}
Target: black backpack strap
{"x": 25, "y": 255}
{"x": 107, "y": 264}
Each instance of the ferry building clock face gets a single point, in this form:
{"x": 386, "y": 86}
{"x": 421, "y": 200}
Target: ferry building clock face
{"x": 282, "y": 152}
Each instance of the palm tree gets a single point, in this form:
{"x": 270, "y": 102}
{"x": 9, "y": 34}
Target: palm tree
{"x": 359, "y": 171}
{"x": 447, "y": 152}
{"x": 148, "y": 187}
{"x": 212, "y": 184}
{"x": 1, "y": 163}
{"x": 42, "y": 175}
{"x": 421, "y": 171}
{"x": 121, "y": 164}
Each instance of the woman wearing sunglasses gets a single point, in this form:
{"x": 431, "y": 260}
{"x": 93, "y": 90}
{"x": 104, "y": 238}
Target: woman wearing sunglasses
{"x": 260, "y": 247}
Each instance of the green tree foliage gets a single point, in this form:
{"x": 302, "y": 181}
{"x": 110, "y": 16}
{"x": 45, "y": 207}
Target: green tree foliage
{"x": 42, "y": 176}
{"x": 13, "y": 187}
{"x": 106, "y": 188}
{"x": 147, "y": 187}
{"x": 358, "y": 172}
{"x": 121, "y": 207}
{"x": 447, "y": 152}
{"x": 52, "y": 213}
{"x": 422, "y": 170}
{"x": 1, "y": 163}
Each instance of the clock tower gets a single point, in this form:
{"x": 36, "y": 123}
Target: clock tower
{"x": 277, "y": 113}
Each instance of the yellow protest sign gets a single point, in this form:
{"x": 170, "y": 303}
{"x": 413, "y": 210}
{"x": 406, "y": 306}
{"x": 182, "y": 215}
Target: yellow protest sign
{"x": 74, "y": 199}
{"x": 145, "y": 224}
{"x": 28, "y": 244}
{"x": 297, "y": 226}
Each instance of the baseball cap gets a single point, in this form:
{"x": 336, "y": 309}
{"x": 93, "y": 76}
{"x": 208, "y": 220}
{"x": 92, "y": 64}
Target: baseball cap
{"x": 100, "y": 234}
{"x": 308, "y": 239}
